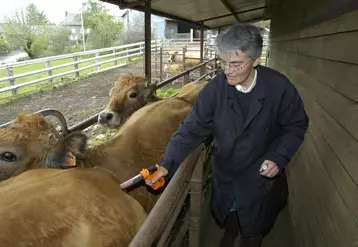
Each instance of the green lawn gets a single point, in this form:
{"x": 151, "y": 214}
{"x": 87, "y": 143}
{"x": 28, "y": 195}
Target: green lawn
{"x": 46, "y": 84}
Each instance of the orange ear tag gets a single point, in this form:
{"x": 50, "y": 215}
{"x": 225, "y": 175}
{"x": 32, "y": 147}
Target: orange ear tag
{"x": 70, "y": 160}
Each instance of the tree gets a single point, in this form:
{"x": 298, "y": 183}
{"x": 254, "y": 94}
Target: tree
{"x": 34, "y": 16}
{"x": 4, "y": 46}
{"x": 135, "y": 28}
{"x": 59, "y": 39}
{"x": 24, "y": 28}
{"x": 104, "y": 29}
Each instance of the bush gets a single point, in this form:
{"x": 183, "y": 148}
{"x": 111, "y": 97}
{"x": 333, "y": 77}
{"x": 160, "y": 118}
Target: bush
{"x": 4, "y": 46}
{"x": 39, "y": 46}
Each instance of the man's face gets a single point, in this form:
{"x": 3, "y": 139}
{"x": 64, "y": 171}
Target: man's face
{"x": 237, "y": 67}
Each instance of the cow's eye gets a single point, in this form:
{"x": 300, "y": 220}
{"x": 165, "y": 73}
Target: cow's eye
{"x": 133, "y": 94}
{"x": 8, "y": 157}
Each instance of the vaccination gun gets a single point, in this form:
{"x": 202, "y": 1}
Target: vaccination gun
{"x": 146, "y": 174}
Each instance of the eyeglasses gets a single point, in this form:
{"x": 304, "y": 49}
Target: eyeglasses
{"x": 233, "y": 65}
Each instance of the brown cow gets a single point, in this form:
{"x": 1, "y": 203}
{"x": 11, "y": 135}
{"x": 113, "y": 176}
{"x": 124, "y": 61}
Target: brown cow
{"x": 72, "y": 208}
{"x": 128, "y": 94}
{"x": 141, "y": 141}
{"x": 176, "y": 58}
{"x": 175, "y": 63}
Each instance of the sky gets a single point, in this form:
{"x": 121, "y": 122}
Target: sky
{"x": 53, "y": 9}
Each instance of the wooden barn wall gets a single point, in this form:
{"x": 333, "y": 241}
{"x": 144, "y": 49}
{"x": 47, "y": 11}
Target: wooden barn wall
{"x": 315, "y": 44}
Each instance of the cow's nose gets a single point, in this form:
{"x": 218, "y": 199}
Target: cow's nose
{"x": 105, "y": 117}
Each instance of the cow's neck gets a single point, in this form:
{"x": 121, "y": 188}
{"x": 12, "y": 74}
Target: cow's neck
{"x": 112, "y": 155}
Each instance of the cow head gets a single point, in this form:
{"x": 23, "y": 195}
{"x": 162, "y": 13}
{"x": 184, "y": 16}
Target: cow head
{"x": 128, "y": 94}
{"x": 172, "y": 57}
{"x": 32, "y": 142}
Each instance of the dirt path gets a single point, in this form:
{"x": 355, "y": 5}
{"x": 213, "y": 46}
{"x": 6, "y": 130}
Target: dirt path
{"x": 76, "y": 101}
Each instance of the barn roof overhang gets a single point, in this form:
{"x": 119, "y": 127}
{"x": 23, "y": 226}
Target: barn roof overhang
{"x": 210, "y": 14}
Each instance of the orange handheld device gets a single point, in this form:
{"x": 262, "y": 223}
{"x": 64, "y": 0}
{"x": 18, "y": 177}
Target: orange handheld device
{"x": 147, "y": 174}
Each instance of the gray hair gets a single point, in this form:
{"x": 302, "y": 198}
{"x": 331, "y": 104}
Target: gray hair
{"x": 241, "y": 36}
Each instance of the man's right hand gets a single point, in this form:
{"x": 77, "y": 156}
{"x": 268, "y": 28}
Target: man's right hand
{"x": 161, "y": 173}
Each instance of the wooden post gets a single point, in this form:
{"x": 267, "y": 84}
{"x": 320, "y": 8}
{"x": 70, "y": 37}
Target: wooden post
{"x": 161, "y": 63}
{"x": 202, "y": 69}
{"x": 186, "y": 76}
{"x": 114, "y": 57}
{"x": 77, "y": 73}
{"x": 48, "y": 65}
{"x": 147, "y": 40}
{"x": 156, "y": 59}
{"x": 10, "y": 73}
{"x": 196, "y": 190}
{"x": 98, "y": 61}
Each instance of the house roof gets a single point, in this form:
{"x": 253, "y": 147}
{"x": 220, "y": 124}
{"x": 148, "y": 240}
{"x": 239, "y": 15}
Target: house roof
{"x": 207, "y": 13}
{"x": 71, "y": 19}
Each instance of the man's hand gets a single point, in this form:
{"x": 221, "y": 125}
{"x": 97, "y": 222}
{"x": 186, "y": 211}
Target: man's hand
{"x": 161, "y": 173}
{"x": 269, "y": 169}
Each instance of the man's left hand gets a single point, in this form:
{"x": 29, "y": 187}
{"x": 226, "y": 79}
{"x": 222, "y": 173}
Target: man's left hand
{"x": 269, "y": 169}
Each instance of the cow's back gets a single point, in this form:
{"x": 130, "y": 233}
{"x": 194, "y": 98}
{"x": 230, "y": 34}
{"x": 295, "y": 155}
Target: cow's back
{"x": 142, "y": 141}
{"x": 77, "y": 207}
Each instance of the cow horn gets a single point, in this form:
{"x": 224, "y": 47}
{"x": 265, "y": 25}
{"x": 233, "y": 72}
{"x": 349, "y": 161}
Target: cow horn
{"x": 58, "y": 115}
{"x": 45, "y": 113}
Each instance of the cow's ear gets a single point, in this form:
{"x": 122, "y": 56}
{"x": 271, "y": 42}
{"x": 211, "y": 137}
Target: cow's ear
{"x": 67, "y": 152}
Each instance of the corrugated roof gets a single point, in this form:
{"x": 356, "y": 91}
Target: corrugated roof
{"x": 209, "y": 13}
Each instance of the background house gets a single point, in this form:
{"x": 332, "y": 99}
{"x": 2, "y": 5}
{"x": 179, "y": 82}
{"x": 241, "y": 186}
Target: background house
{"x": 162, "y": 28}
{"x": 72, "y": 22}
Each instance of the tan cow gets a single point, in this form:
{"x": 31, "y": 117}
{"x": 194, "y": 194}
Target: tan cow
{"x": 191, "y": 59}
{"x": 128, "y": 94}
{"x": 67, "y": 208}
{"x": 175, "y": 63}
{"x": 141, "y": 141}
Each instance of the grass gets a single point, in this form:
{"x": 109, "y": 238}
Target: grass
{"x": 166, "y": 93}
{"x": 7, "y": 97}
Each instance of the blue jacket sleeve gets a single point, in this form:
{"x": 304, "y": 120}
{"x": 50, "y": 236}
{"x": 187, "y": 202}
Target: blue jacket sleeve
{"x": 293, "y": 122}
{"x": 197, "y": 126}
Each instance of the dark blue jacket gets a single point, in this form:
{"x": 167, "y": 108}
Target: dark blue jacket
{"x": 273, "y": 129}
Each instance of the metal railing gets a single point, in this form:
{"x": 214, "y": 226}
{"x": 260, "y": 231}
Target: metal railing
{"x": 188, "y": 180}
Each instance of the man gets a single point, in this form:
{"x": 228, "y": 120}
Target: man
{"x": 258, "y": 122}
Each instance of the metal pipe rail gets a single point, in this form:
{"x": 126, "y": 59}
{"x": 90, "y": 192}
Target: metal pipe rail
{"x": 186, "y": 72}
{"x": 93, "y": 119}
{"x": 188, "y": 180}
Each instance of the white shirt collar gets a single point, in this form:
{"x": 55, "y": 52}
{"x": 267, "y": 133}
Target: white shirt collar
{"x": 249, "y": 89}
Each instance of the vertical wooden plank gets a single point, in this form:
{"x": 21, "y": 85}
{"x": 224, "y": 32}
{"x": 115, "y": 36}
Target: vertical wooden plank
{"x": 202, "y": 69}
{"x": 186, "y": 76}
{"x": 161, "y": 63}
{"x": 196, "y": 191}
{"x": 98, "y": 61}
{"x": 114, "y": 57}
{"x": 77, "y": 73}
{"x": 147, "y": 35}
{"x": 10, "y": 73}
{"x": 48, "y": 65}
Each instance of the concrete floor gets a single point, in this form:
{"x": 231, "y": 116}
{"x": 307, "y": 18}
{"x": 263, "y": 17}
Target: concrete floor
{"x": 280, "y": 236}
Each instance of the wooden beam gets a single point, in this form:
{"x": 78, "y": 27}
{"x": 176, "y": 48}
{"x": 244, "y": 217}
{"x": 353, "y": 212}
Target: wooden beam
{"x": 130, "y": 5}
{"x": 231, "y": 9}
{"x": 147, "y": 40}
{"x": 236, "y": 13}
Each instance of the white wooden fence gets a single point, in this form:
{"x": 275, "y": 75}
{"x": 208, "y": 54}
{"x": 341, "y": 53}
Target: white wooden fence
{"x": 112, "y": 54}
{"x": 95, "y": 58}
